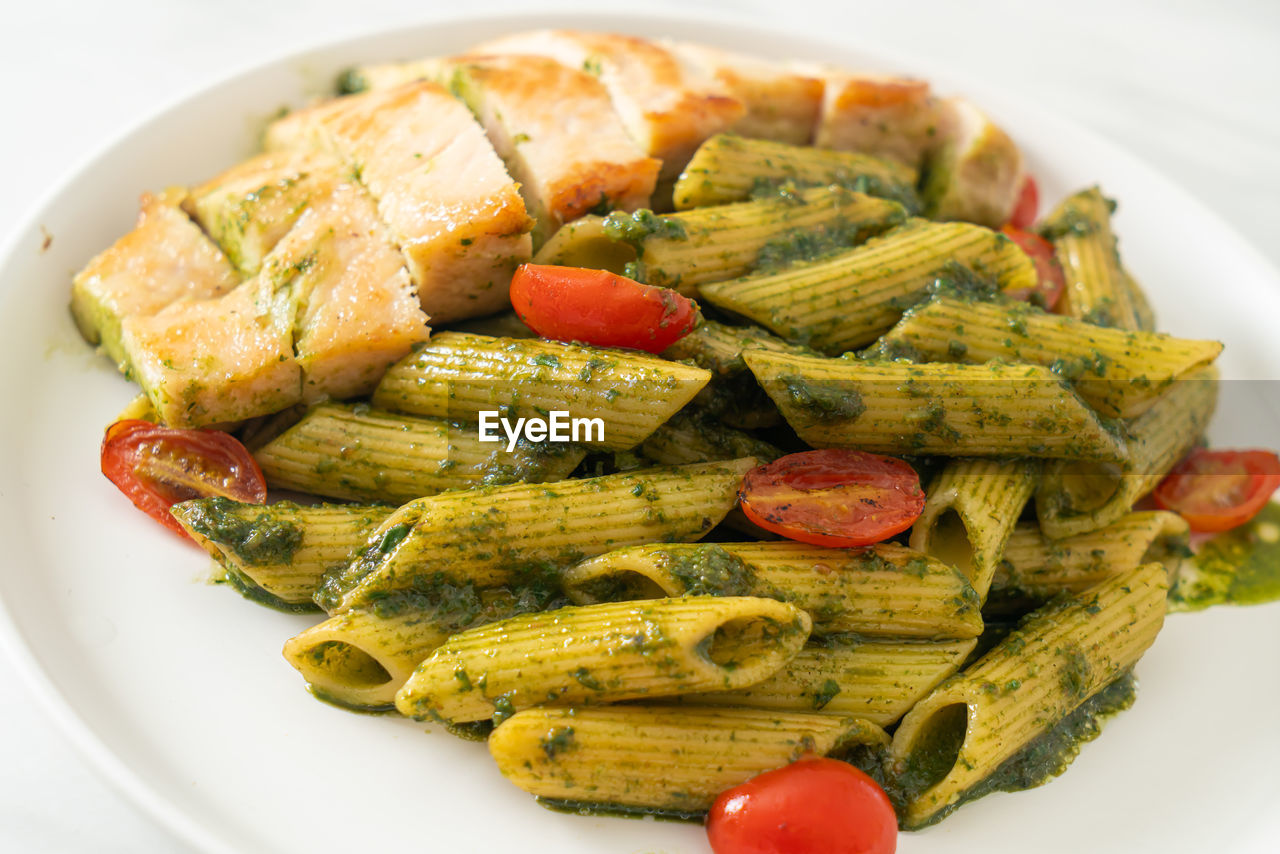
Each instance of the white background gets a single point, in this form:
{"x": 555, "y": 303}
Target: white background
{"x": 1189, "y": 85}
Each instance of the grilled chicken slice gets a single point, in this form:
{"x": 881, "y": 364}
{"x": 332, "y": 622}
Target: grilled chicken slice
{"x": 667, "y": 106}
{"x": 568, "y": 160}
{"x": 357, "y": 310}
{"x": 886, "y": 116}
{"x": 218, "y": 360}
{"x": 976, "y": 173}
{"x": 164, "y": 259}
{"x": 248, "y": 208}
{"x": 440, "y": 189}
{"x": 781, "y": 103}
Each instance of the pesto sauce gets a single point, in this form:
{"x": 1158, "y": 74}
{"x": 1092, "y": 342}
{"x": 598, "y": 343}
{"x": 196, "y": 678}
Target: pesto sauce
{"x": 709, "y": 570}
{"x": 585, "y": 808}
{"x": 636, "y": 228}
{"x": 251, "y": 591}
{"x": 1237, "y": 567}
{"x": 259, "y": 539}
{"x": 823, "y": 402}
{"x": 1044, "y": 758}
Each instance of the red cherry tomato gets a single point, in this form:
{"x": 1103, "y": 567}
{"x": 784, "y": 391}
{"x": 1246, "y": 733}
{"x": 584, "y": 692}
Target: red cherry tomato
{"x": 813, "y": 806}
{"x": 1048, "y": 271}
{"x": 599, "y": 307}
{"x": 1220, "y": 490}
{"x": 157, "y": 466}
{"x": 833, "y": 497}
{"x": 1024, "y": 209}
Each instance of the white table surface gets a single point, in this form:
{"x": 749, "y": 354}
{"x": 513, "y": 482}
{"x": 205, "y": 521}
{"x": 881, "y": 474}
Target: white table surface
{"x": 1190, "y": 85}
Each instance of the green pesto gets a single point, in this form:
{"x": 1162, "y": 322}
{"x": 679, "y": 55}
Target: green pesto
{"x": 351, "y": 81}
{"x": 636, "y": 228}
{"x": 824, "y": 402}
{"x": 807, "y": 244}
{"x": 325, "y": 697}
{"x": 1237, "y": 567}
{"x": 260, "y": 539}
{"x": 559, "y": 740}
{"x": 585, "y": 808}
{"x": 1045, "y": 757}
{"x": 709, "y": 570}
{"x": 254, "y": 593}
{"x": 767, "y": 187}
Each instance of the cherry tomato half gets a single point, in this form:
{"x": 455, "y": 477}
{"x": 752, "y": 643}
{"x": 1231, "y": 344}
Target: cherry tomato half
{"x": 812, "y": 806}
{"x": 833, "y": 497}
{"x": 1220, "y": 490}
{"x": 1048, "y": 271}
{"x": 599, "y": 307}
{"x": 1028, "y": 203}
{"x": 157, "y": 466}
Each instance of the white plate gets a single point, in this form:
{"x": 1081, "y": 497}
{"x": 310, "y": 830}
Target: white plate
{"x": 177, "y": 690}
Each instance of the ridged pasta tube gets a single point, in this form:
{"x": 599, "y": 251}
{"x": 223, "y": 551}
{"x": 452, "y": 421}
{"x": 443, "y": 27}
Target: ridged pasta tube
{"x": 897, "y": 407}
{"x": 603, "y": 654}
{"x": 728, "y": 168}
{"x": 1037, "y": 567}
{"x": 662, "y": 758}
{"x": 1057, "y": 658}
{"x": 878, "y": 591}
{"x": 970, "y": 511}
{"x": 1120, "y": 373}
{"x": 1098, "y": 290}
{"x": 847, "y": 300}
{"x": 875, "y": 680}
{"x": 360, "y": 658}
{"x": 279, "y": 552}
{"x": 496, "y": 535}
{"x": 691, "y": 438}
{"x": 355, "y": 452}
{"x": 684, "y": 250}
{"x": 458, "y": 376}
{"x": 1074, "y": 497}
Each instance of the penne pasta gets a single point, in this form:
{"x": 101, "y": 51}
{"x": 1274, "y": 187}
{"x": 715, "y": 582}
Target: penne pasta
{"x": 1120, "y": 373}
{"x": 279, "y": 552}
{"x": 952, "y": 410}
{"x": 352, "y": 451}
{"x": 879, "y": 591}
{"x": 687, "y": 249}
{"x": 718, "y": 347}
{"x": 1057, "y": 659}
{"x": 1074, "y": 496}
{"x": 729, "y": 168}
{"x": 1037, "y": 568}
{"x": 847, "y": 300}
{"x": 1097, "y": 288}
{"x": 971, "y": 509}
{"x": 602, "y": 654}
{"x": 660, "y": 758}
{"x": 498, "y": 535}
{"x": 360, "y": 658}
{"x": 617, "y": 397}
{"x": 873, "y": 680}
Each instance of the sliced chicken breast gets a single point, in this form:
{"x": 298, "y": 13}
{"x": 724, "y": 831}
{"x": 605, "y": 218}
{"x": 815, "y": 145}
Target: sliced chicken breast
{"x": 568, "y": 160}
{"x": 357, "y": 311}
{"x": 218, "y": 360}
{"x": 248, "y": 208}
{"x": 976, "y": 173}
{"x": 668, "y": 106}
{"x": 781, "y": 103}
{"x": 877, "y": 114}
{"x": 166, "y": 258}
{"x": 440, "y": 189}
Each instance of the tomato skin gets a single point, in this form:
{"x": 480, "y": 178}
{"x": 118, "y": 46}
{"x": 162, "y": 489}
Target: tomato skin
{"x": 837, "y": 498}
{"x": 1027, "y": 205}
{"x": 158, "y": 466}
{"x": 812, "y": 806}
{"x": 601, "y": 308}
{"x": 1052, "y": 282}
{"x": 1219, "y": 490}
